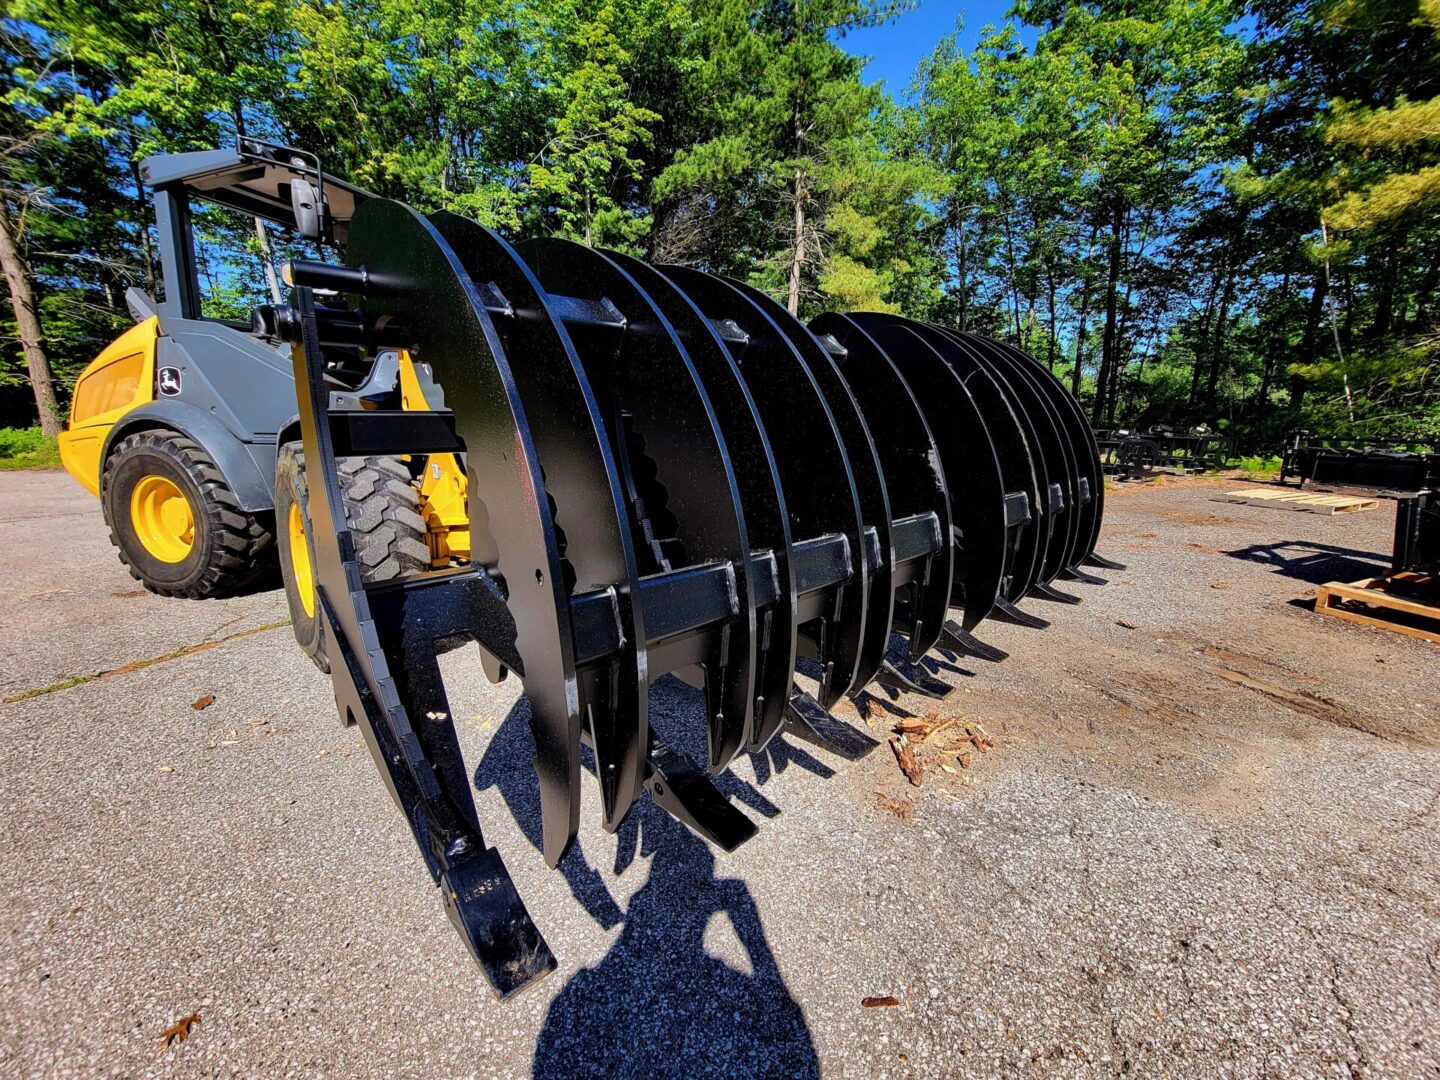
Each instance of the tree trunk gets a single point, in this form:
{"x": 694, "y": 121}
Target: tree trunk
{"x": 1310, "y": 337}
{"x": 142, "y": 205}
{"x": 267, "y": 256}
{"x": 797, "y": 255}
{"x": 1078, "y": 370}
{"x": 27, "y": 319}
{"x": 1050, "y": 288}
{"x": 961, "y": 275}
{"x": 1217, "y": 346}
{"x": 1109, "y": 346}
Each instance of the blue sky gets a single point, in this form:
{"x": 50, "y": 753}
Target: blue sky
{"x": 896, "y": 48}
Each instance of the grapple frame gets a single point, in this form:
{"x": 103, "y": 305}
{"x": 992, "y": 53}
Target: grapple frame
{"x": 667, "y": 473}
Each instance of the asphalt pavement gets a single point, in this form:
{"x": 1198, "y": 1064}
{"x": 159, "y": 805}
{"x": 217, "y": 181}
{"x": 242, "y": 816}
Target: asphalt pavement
{"x": 1205, "y": 843}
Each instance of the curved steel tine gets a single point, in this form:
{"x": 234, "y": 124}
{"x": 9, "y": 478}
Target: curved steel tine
{"x": 1084, "y": 438}
{"x": 645, "y": 377}
{"x": 1018, "y": 457}
{"x": 969, "y": 458}
{"x": 1045, "y": 533}
{"x": 1052, "y": 445}
{"x": 505, "y": 437}
{"x": 1076, "y": 445}
{"x": 581, "y": 478}
{"x": 914, "y": 476}
{"x": 815, "y": 471}
{"x": 1025, "y": 541}
{"x": 767, "y": 520}
{"x": 875, "y": 510}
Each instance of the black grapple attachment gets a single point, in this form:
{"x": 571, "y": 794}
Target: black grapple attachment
{"x": 667, "y": 473}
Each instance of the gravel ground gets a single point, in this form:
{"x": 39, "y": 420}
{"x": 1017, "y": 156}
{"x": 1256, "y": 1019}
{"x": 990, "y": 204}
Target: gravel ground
{"x": 1204, "y": 844}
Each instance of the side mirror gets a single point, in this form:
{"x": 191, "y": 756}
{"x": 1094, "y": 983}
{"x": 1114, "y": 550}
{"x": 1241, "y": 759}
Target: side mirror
{"x": 309, "y": 209}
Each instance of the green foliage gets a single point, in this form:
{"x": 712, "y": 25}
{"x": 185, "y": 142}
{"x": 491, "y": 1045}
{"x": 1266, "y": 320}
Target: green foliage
{"x": 1195, "y": 212}
{"x": 27, "y": 448}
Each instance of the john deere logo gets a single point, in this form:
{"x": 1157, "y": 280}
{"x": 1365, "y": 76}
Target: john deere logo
{"x": 169, "y": 381}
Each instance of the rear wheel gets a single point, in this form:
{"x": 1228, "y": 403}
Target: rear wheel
{"x": 380, "y": 507}
{"x": 175, "y": 522}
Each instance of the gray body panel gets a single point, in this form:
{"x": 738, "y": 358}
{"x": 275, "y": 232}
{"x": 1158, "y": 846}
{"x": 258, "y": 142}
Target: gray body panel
{"x": 236, "y": 392}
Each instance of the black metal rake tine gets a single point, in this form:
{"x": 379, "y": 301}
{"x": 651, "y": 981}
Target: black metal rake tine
{"x": 1075, "y": 574}
{"x": 645, "y": 371}
{"x": 1049, "y": 592}
{"x": 819, "y": 485}
{"x": 806, "y": 719}
{"x": 1103, "y": 563}
{"x": 767, "y": 518}
{"x": 911, "y": 679}
{"x": 962, "y": 641}
{"x": 583, "y": 491}
{"x": 1008, "y": 612}
{"x": 971, "y": 463}
{"x": 914, "y": 475}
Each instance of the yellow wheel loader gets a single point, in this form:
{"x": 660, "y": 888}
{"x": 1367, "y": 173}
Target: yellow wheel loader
{"x": 186, "y": 426}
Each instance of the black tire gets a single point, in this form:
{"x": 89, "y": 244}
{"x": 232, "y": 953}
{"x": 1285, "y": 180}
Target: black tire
{"x": 292, "y": 491}
{"x": 380, "y": 508}
{"x": 229, "y": 549}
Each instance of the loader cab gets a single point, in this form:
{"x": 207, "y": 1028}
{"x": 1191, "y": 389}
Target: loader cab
{"x": 255, "y": 180}
{"x": 211, "y": 372}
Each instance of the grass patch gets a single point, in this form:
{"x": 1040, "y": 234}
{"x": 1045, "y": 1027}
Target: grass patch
{"x": 27, "y": 448}
{"x": 1257, "y": 466}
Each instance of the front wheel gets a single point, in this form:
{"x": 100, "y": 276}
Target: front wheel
{"x": 176, "y": 524}
{"x": 380, "y": 508}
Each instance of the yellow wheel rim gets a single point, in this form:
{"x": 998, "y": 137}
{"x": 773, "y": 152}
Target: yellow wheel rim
{"x": 300, "y": 561}
{"x": 162, "y": 518}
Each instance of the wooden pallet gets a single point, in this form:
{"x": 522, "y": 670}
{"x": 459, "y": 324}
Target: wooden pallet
{"x": 1377, "y": 593}
{"x": 1308, "y": 502}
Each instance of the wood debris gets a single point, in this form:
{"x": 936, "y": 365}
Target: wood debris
{"x": 905, "y": 755}
{"x": 904, "y": 809}
{"x": 885, "y": 1002}
{"x": 203, "y": 702}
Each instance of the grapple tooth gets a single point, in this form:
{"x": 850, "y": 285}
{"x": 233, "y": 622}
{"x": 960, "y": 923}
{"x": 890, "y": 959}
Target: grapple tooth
{"x": 1008, "y": 612}
{"x": 910, "y": 679}
{"x": 808, "y": 720}
{"x": 1073, "y": 574}
{"x": 1054, "y": 595}
{"x": 666, "y": 473}
{"x": 1100, "y": 561}
{"x": 962, "y": 641}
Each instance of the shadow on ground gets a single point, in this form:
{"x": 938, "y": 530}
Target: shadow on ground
{"x": 1314, "y": 562}
{"x": 658, "y": 1003}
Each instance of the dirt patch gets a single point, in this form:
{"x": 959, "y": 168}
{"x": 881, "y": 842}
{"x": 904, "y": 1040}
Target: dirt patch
{"x": 1192, "y": 517}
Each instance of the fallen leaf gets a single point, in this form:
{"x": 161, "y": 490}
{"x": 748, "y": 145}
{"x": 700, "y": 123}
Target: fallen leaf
{"x": 886, "y": 1002}
{"x": 1126, "y": 625}
{"x": 203, "y": 702}
{"x": 257, "y": 723}
{"x": 965, "y": 758}
{"x": 179, "y": 1031}
{"x": 949, "y": 769}
{"x": 1219, "y": 585}
{"x": 906, "y": 757}
{"x": 167, "y": 768}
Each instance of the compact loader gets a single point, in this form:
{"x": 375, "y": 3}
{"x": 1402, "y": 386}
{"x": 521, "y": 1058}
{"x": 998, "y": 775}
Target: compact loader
{"x": 591, "y": 471}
